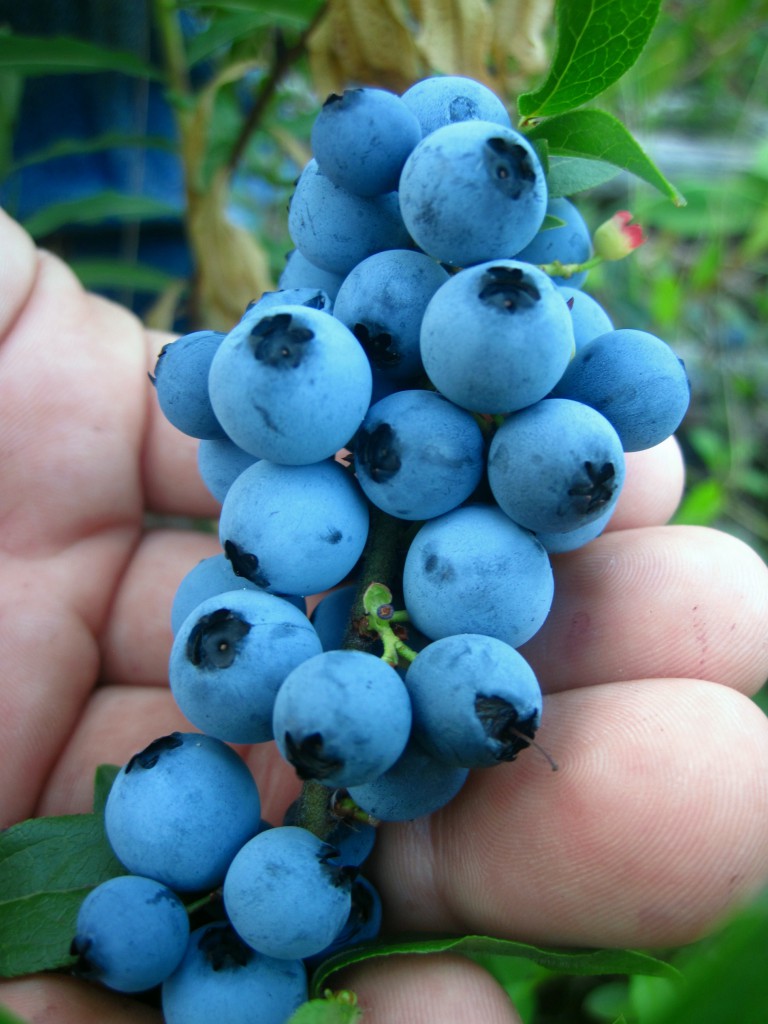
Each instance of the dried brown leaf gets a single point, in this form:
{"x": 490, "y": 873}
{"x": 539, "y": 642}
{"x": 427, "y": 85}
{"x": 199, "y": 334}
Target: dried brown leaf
{"x": 454, "y": 36}
{"x": 367, "y": 42}
{"x": 231, "y": 267}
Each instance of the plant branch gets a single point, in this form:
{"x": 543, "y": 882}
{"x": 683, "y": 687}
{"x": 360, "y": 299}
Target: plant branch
{"x": 285, "y": 58}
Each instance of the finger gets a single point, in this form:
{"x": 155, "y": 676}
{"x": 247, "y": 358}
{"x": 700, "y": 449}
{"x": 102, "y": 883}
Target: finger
{"x": 655, "y": 824}
{"x": 58, "y": 1000}
{"x": 137, "y": 639}
{"x": 172, "y": 481}
{"x": 118, "y": 722}
{"x": 427, "y": 990}
{"x": 652, "y": 489}
{"x": 19, "y": 270}
{"x": 664, "y": 601}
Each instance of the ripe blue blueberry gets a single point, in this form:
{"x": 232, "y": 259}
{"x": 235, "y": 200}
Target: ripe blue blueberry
{"x": 291, "y": 385}
{"x": 283, "y": 895}
{"x": 131, "y": 933}
{"x": 181, "y": 372}
{"x": 569, "y": 242}
{"x": 222, "y": 979}
{"x": 496, "y": 337}
{"x": 418, "y": 455}
{"x": 476, "y": 700}
{"x": 361, "y": 139}
{"x": 342, "y": 717}
{"x": 446, "y": 99}
{"x": 473, "y": 570}
{"x": 473, "y": 191}
{"x": 556, "y": 465}
{"x": 230, "y": 657}
{"x": 635, "y": 380}
{"x": 180, "y": 809}
{"x": 294, "y": 529}
{"x": 335, "y": 229}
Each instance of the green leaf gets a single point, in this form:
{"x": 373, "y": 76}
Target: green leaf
{"x": 97, "y": 144}
{"x": 567, "y": 961}
{"x": 702, "y": 504}
{"x": 102, "y": 783}
{"x": 56, "y": 55}
{"x": 724, "y": 977}
{"x": 6, "y": 1017}
{"x": 597, "y": 42}
{"x": 568, "y": 175}
{"x": 596, "y": 135}
{"x": 47, "y": 865}
{"x": 325, "y": 1011}
{"x": 96, "y": 208}
{"x": 97, "y": 275}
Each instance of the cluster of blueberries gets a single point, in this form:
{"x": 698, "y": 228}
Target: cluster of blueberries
{"x": 487, "y": 405}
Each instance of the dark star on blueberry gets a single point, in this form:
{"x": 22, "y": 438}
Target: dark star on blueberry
{"x": 150, "y": 755}
{"x": 501, "y": 722}
{"x": 377, "y": 345}
{"x": 223, "y": 948}
{"x": 508, "y": 288}
{"x": 378, "y": 452}
{"x": 309, "y": 758}
{"x": 275, "y": 341}
{"x": 597, "y": 490}
{"x": 214, "y": 640}
{"x": 244, "y": 564}
{"x": 510, "y": 166}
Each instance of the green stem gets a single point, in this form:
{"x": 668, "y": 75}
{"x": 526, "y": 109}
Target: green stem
{"x": 172, "y": 42}
{"x": 382, "y": 560}
{"x": 285, "y": 58}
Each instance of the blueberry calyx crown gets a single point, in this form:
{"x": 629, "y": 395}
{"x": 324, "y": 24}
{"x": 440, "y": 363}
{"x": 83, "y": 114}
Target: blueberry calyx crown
{"x": 223, "y": 948}
{"x": 377, "y": 345}
{"x": 276, "y": 343}
{"x": 508, "y": 288}
{"x": 597, "y": 490}
{"x": 244, "y": 564}
{"x": 378, "y": 452}
{"x": 214, "y": 640}
{"x": 510, "y": 166}
{"x": 308, "y": 757}
{"x": 501, "y": 723}
{"x": 150, "y": 755}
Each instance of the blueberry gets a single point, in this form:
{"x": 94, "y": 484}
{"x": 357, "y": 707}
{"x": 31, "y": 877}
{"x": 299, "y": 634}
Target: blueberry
{"x": 471, "y": 192}
{"x": 131, "y": 933}
{"x": 556, "y": 465}
{"x": 180, "y": 809}
{"x": 283, "y": 895}
{"x": 230, "y": 657}
{"x": 223, "y": 979}
{"x": 342, "y": 717}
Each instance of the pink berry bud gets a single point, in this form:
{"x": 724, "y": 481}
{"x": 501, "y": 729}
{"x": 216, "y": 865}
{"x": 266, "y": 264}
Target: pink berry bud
{"x": 616, "y": 237}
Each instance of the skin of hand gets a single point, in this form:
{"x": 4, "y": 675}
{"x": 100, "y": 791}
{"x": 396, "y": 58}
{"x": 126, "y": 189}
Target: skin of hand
{"x": 652, "y": 829}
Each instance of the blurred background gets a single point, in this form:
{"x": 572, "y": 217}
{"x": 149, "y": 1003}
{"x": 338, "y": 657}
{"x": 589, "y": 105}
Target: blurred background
{"x": 154, "y": 145}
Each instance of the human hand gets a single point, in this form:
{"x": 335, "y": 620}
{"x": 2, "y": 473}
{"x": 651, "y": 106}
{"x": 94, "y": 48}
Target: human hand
{"x": 654, "y": 825}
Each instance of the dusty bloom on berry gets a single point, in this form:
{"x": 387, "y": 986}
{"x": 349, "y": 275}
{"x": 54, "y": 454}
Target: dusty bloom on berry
{"x": 617, "y": 237}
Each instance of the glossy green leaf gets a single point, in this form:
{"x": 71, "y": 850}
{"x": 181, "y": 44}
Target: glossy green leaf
{"x": 325, "y": 1011}
{"x": 569, "y": 175}
{"x": 56, "y": 55}
{"x": 597, "y": 42}
{"x": 596, "y": 135}
{"x": 102, "y": 783}
{"x": 101, "y": 274}
{"x": 96, "y": 144}
{"x": 94, "y": 209}
{"x": 47, "y": 865}
{"x": 568, "y": 961}
{"x": 724, "y": 977}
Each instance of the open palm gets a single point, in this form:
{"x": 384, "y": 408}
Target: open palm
{"x": 653, "y": 827}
